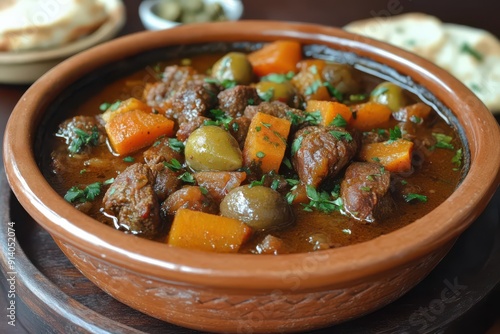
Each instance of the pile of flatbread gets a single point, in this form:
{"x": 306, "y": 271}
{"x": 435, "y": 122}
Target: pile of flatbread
{"x": 42, "y": 24}
{"x": 472, "y": 55}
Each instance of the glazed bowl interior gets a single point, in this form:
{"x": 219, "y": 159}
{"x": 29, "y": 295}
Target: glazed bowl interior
{"x": 84, "y": 74}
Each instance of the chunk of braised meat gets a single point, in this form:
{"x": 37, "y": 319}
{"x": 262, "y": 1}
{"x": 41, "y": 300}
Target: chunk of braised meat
{"x": 400, "y": 188}
{"x": 190, "y": 197}
{"x": 271, "y": 245}
{"x": 132, "y": 200}
{"x": 274, "y": 108}
{"x": 365, "y": 191}
{"x": 238, "y": 128}
{"x": 193, "y": 100}
{"x": 322, "y": 152}
{"x": 81, "y": 133}
{"x": 173, "y": 78}
{"x": 186, "y": 128}
{"x": 233, "y": 101}
{"x": 166, "y": 180}
{"x": 415, "y": 113}
{"x": 375, "y": 136}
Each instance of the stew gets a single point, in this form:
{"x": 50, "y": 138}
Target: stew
{"x": 267, "y": 152}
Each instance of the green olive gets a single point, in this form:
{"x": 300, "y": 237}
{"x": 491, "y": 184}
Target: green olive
{"x": 272, "y": 91}
{"x": 211, "y": 148}
{"x": 235, "y": 67}
{"x": 342, "y": 77}
{"x": 389, "y": 94}
{"x": 260, "y": 207}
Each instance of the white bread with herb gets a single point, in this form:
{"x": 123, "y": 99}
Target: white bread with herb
{"x": 418, "y": 33}
{"x": 28, "y": 24}
{"x": 472, "y": 55}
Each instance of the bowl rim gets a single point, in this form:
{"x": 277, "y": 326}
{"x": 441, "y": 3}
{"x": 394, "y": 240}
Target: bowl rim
{"x": 304, "y": 271}
{"x": 110, "y": 27}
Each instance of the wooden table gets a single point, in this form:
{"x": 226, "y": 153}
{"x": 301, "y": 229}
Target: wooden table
{"x": 483, "y": 14}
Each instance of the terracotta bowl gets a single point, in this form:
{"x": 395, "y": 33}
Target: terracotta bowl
{"x": 249, "y": 293}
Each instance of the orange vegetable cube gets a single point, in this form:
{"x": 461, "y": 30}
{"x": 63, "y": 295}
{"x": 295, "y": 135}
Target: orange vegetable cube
{"x": 124, "y": 106}
{"x": 266, "y": 141}
{"x": 135, "y": 129}
{"x": 207, "y": 232}
{"x": 329, "y": 110}
{"x": 395, "y": 156}
{"x": 371, "y": 115}
{"x": 278, "y": 57}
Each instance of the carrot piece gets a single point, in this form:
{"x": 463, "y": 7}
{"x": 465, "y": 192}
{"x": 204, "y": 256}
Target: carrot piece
{"x": 124, "y": 106}
{"x": 371, "y": 115}
{"x": 278, "y": 57}
{"x": 207, "y": 232}
{"x": 395, "y": 156}
{"x": 265, "y": 144}
{"x": 329, "y": 110}
{"x": 309, "y": 81}
{"x": 219, "y": 184}
{"x": 135, "y": 129}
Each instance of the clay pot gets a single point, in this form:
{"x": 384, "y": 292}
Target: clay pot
{"x": 248, "y": 293}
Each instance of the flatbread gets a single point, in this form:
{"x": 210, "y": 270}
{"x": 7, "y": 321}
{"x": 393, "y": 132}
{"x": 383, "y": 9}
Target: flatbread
{"x": 41, "y": 24}
{"x": 472, "y": 55}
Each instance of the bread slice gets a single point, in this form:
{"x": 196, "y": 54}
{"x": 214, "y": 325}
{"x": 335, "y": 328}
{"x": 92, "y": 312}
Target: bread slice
{"x": 472, "y": 55}
{"x": 416, "y": 32}
{"x": 28, "y": 24}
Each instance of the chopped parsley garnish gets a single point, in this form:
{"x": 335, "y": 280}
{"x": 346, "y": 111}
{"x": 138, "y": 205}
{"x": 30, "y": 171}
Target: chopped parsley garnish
{"x": 111, "y": 106}
{"x": 83, "y": 138}
{"x": 275, "y": 184}
{"x": 267, "y": 125}
{"x": 313, "y": 118}
{"x": 257, "y": 182}
{"x": 258, "y": 128}
{"x": 313, "y": 88}
{"x": 339, "y": 121}
{"x": 341, "y": 135}
{"x": 333, "y": 91}
{"x": 250, "y": 102}
{"x": 204, "y": 191}
{"x": 260, "y": 154}
{"x": 357, "y": 97}
{"x": 109, "y": 181}
{"x": 466, "y": 48}
{"x": 83, "y": 171}
{"x": 186, "y": 177}
{"x": 313, "y": 69}
{"x": 89, "y": 193}
{"x": 395, "y": 134}
{"x": 175, "y": 144}
{"x": 443, "y": 141}
{"x": 376, "y": 159}
{"x": 457, "y": 158}
{"x": 174, "y": 165}
{"x": 287, "y": 163}
{"x": 278, "y": 78}
{"x": 267, "y": 95}
{"x": 411, "y": 196}
{"x": 404, "y": 182}
{"x": 292, "y": 182}
{"x": 235, "y": 127}
{"x": 129, "y": 159}
{"x": 366, "y": 189}
{"x": 226, "y": 83}
{"x": 370, "y": 177}
{"x": 379, "y": 91}
{"x": 296, "y": 145}
{"x": 289, "y": 197}
{"x": 218, "y": 118}
{"x": 416, "y": 119}
{"x": 321, "y": 201}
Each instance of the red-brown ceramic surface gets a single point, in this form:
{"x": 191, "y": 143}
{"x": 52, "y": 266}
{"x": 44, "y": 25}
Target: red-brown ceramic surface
{"x": 248, "y": 293}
